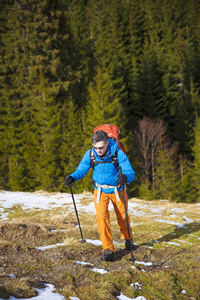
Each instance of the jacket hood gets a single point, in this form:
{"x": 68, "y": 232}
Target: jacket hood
{"x": 113, "y": 146}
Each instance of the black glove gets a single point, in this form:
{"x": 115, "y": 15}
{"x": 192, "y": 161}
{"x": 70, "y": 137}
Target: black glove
{"x": 69, "y": 180}
{"x": 122, "y": 179}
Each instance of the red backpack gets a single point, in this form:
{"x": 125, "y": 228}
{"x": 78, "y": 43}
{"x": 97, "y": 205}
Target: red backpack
{"x": 113, "y": 133}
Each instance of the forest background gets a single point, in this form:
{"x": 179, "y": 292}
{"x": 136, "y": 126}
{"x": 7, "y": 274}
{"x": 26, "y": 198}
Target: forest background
{"x": 68, "y": 66}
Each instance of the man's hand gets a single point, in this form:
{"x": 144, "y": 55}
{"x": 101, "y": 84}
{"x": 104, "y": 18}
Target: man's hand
{"x": 122, "y": 179}
{"x": 69, "y": 180}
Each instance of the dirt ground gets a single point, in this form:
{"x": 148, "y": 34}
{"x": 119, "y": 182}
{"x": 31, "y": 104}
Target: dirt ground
{"x": 32, "y": 267}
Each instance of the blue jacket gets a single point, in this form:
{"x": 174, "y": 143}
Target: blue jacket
{"x": 106, "y": 173}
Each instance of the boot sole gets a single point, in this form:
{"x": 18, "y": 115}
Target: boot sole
{"x": 107, "y": 258}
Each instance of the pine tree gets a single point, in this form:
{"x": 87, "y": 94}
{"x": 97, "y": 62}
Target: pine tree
{"x": 72, "y": 146}
{"x": 89, "y": 62}
{"x": 103, "y": 106}
{"x": 165, "y": 175}
{"x": 47, "y": 134}
{"x": 109, "y": 50}
{"x": 196, "y": 147}
{"x": 82, "y": 58}
{"x": 32, "y": 63}
{"x": 176, "y": 39}
{"x": 185, "y": 189}
{"x": 12, "y": 175}
{"x": 151, "y": 89}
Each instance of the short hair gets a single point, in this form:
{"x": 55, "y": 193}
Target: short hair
{"x": 99, "y": 136}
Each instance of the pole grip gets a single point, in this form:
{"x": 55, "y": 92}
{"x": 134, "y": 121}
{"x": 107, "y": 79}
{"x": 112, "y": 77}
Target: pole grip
{"x": 120, "y": 170}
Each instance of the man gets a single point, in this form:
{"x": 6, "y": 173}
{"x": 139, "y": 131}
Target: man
{"x": 107, "y": 186}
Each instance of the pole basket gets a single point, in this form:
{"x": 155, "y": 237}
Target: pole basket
{"x": 82, "y": 241}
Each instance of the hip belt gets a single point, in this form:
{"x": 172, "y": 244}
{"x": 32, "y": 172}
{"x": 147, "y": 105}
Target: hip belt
{"x": 106, "y": 186}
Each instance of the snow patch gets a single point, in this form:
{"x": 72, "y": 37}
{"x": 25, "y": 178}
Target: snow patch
{"x": 136, "y": 285}
{"x": 51, "y": 246}
{"x": 101, "y": 271}
{"x": 12, "y": 275}
{"x": 94, "y": 242}
{"x": 178, "y": 210}
{"x": 83, "y": 263}
{"x": 179, "y": 225}
{"x": 146, "y": 264}
{"x": 46, "y": 293}
{"x": 123, "y": 297}
{"x": 40, "y": 201}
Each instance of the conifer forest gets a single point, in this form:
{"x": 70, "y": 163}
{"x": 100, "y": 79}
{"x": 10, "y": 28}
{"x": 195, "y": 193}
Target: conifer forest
{"x": 67, "y": 66}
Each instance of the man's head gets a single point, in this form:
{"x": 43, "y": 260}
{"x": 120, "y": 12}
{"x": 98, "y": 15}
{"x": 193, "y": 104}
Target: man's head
{"x": 100, "y": 142}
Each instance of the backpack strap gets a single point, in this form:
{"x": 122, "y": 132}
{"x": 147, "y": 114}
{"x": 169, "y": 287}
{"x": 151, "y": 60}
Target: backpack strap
{"x": 115, "y": 160}
{"x": 92, "y": 158}
{"x": 93, "y": 163}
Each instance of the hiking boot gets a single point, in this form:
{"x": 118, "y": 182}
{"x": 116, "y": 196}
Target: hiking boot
{"x": 129, "y": 245}
{"x": 108, "y": 255}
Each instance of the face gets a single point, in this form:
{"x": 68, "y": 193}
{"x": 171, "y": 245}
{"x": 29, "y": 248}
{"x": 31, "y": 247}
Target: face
{"x": 101, "y": 148}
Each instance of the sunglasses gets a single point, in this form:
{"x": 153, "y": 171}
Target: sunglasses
{"x": 98, "y": 148}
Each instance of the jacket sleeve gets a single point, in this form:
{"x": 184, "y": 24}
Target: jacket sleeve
{"x": 125, "y": 165}
{"x": 83, "y": 167}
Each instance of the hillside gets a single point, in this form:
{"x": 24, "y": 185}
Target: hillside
{"x": 40, "y": 249}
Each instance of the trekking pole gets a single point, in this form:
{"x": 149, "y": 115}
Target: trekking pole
{"x": 122, "y": 187}
{"x": 82, "y": 239}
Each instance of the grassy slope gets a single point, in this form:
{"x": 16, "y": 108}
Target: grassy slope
{"x": 173, "y": 251}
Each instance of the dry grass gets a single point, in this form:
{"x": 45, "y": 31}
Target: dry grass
{"x": 173, "y": 251}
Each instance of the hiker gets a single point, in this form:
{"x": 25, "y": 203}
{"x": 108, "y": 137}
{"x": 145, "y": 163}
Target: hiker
{"x": 107, "y": 186}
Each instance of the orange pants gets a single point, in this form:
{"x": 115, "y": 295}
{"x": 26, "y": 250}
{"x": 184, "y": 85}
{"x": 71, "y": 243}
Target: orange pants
{"x": 103, "y": 217}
